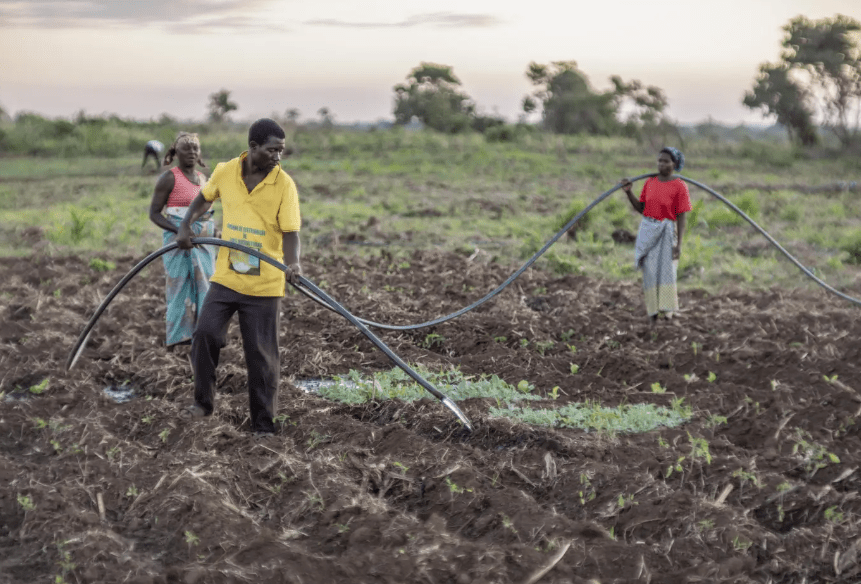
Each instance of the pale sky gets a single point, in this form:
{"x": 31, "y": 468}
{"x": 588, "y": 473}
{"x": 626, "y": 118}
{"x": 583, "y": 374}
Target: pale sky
{"x": 142, "y": 58}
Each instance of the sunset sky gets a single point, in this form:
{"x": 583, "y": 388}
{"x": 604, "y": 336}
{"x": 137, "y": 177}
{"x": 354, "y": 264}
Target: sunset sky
{"x": 142, "y": 58}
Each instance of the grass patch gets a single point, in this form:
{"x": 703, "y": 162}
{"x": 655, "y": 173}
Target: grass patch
{"x": 411, "y": 190}
{"x": 592, "y": 416}
{"x": 354, "y": 388}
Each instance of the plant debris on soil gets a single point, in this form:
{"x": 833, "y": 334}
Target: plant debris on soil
{"x": 761, "y": 485}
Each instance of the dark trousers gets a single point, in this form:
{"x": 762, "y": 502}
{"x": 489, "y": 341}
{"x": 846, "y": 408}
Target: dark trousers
{"x": 258, "y": 323}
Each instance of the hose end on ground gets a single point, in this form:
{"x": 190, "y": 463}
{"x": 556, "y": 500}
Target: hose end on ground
{"x": 456, "y": 411}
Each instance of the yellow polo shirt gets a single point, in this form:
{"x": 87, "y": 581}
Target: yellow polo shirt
{"x": 258, "y": 220}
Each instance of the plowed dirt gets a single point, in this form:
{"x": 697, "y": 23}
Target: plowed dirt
{"x": 97, "y": 491}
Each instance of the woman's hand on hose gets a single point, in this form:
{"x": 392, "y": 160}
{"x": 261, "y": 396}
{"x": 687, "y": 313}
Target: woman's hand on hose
{"x": 626, "y": 185}
{"x": 677, "y": 252}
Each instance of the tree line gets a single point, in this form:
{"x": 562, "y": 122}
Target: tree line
{"x": 818, "y": 76}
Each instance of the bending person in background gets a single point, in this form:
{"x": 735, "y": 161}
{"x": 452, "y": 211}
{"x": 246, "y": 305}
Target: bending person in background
{"x": 153, "y": 148}
{"x": 187, "y": 271}
{"x": 260, "y": 206}
{"x": 663, "y": 203}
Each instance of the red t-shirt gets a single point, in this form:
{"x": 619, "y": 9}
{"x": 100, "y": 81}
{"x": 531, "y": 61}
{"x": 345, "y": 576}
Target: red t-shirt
{"x": 665, "y": 200}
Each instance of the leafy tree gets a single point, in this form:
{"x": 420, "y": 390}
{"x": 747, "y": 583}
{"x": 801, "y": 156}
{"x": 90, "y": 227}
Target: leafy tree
{"x": 569, "y": 105}
{"x": 780, "y": 96}
{"x": 433, "y": 95}
{"x": 220, "y": 105}
{"x": 292, "y": 115}
{"x": 827, "y": 50}
{"x": 326, "y": 117}
{"x": 645, "y": 107}
{"x": 819, "y": 72}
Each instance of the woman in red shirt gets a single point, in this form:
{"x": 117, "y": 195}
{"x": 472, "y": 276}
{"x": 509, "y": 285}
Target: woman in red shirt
{"x": 663, "y": 204}
{"x": 187, "y": 272}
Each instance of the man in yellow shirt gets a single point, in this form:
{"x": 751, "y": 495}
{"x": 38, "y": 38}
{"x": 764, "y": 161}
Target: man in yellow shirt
{"x": 260, "y": 208}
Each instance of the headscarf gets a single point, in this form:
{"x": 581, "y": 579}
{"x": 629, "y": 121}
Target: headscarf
{"x": 676, "y": 155}
{"x": 181, "y": 138}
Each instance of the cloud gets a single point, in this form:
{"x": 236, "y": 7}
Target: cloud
{"x": 437, "y": 19}
{"x": 176, "y": 15}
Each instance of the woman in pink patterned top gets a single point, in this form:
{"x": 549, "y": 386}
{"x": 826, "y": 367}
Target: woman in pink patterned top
{"x": 187, "y": 272}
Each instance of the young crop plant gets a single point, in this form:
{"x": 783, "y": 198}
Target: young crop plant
{"x": 404, "y": 468}
{"x": 554, "y": 393}
{"x": 508, "y": 524}
{"x": 80, "y": 227}
{"x": 674, "y": 467}
{"x": 678, "y": 407}
{"x": 814, "y": 456}
{"x": 782, "y": 489}
{"x": 741, "y": 544}
{"x": 191, "y": 539}
{"x": 39, "y": 388}
{"x": 315, "y": 500}
{"x": 543, "y": 346}
{"x": 745, "y": 477}
{"x": 100, "y": 265}
{"x": 658, "y": 388}
{"x": 454, "y": 488}
{"x": 574, "y": 368}
{"x": 66, "y": 564}
{"x": 316, "y": 439}
{"x": 714, "y": 420}
{"x": 833, "y": 515}
{"x": 26, "y": 502}
{"x": 587, "y": 491}
{"x": 433, "y": 340}
{"x": 699, "y": 450}
{"x": 711, "y": 377}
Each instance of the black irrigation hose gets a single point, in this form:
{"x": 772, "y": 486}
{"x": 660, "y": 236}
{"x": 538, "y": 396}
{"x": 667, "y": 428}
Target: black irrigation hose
{"x": 321, "y": 297}
{"x": 771, "y": 240}
{"x": 505, "y": 284}
{"x": 568, "y": 226}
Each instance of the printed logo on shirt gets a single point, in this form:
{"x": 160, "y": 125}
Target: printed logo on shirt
{"x": 239, "y": 261}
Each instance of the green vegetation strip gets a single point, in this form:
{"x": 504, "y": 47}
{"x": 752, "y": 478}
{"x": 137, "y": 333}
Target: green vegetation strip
{"x": 353, "y": 388}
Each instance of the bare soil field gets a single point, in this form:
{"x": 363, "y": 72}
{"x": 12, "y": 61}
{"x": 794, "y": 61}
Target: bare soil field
{"x": 760, "y": 486}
